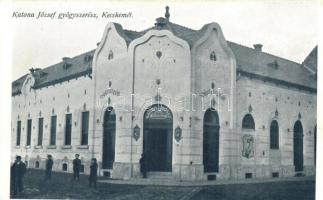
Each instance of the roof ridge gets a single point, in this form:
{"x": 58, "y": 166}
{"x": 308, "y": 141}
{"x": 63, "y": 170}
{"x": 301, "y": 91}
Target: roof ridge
{"x": 74, "y": 57}
{"x": 263, "y": 52}
{"x": 183, "y": 26}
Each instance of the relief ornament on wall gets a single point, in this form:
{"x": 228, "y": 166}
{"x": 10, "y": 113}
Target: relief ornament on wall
{"x": 247, "y": 146}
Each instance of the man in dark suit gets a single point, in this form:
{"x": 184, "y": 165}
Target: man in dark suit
{"x": 143, "y": 165}
{"x": 49, "y": 166}
{"x": 18, "y": 170}
{"x": 93, "y": 172}
{"x": 76, "y": 167}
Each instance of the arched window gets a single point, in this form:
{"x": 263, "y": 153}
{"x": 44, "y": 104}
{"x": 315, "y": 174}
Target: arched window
{"x": 248, "y": 122}
{"x": 213, "y": 56}
{"x": 211, "y": 142}
{"x": 298, "y": 146}
{"x": 109, "y": 135}
{"x": 110, "y": 56}
{"x": 37, "y": 164}
{"x": 64, "y": 167}
{"x": 274, "y": 135}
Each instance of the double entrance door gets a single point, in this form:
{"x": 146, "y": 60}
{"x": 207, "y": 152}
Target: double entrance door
{"x": 157, "y": 138}
{"x": 158, "y": 148}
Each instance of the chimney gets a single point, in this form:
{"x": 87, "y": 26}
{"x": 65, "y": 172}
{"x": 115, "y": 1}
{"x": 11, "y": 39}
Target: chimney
{"x": 257, "y": 47}
{"x": 65, "y": 59}
{"x": 167, "y": 15}
{"x": 66, "y": 63}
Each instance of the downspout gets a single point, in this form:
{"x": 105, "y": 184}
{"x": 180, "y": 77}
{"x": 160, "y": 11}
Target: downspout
{"x": 132, "y": 109}
{"x": 94, "y": 109}
{"x": 94, "y": 71}
{"x": 192, "y": 91}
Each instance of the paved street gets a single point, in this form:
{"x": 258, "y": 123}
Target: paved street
{"x": 62, "y": 186}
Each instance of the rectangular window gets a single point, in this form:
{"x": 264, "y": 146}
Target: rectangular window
{"x": 53, "y": 122}
{"x": 40, "y": 131}
{"x": 248, "y": 175}
{"x": 68, "y": 129}
{"x": 275, "y": 174}
{"x": 18, "y": 133}
{"x": 29, "y": 123}
{"x": 85, "y": 128}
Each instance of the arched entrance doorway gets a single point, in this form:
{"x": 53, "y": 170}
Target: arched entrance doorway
{"x": 211, "y": 141}
{"x": 158, "y": 132}
{"x": 298, "y": 146}
{"x": 109, "y": 135}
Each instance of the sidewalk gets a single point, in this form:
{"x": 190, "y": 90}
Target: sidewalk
{"x": 166, "y": 182}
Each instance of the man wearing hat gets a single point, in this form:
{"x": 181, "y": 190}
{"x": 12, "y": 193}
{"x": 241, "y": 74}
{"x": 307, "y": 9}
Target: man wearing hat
{"x": 49, "y": 166}
{"x": 76, "y": 167}
{"x": 18, "y": 170}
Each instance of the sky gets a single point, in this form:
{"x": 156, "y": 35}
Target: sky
{"x": 285, "y": 28}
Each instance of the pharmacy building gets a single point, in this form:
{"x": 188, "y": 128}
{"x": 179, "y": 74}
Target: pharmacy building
{"x": 195, "y": 105}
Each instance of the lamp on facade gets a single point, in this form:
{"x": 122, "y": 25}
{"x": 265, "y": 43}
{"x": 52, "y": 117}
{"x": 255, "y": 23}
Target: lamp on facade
{"x": 136, "y": 132}
{"x": 178, "y": 134}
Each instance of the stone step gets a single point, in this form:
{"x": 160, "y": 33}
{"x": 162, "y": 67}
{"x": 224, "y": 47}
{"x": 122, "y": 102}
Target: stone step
{"x": 159, "y": 175}
{"x": 105, "y": 173}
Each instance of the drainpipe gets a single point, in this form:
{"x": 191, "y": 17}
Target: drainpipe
{"x": 132, "y": 112}
{"x": 94, "y": 116}
{"x": 94, "y": 99}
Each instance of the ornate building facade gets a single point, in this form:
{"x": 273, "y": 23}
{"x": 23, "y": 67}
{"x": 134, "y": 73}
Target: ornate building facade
{"x": 196, "y": 105}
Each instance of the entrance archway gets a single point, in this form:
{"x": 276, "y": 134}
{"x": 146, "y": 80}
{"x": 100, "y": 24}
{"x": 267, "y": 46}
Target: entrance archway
{"x": 211, "y": 141}
{"x": 158, "y": 134}
{"x": 109, "y": 135}
{"x": 298, "y": 146}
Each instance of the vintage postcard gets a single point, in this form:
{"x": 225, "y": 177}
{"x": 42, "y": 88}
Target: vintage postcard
{"x": 161, "y": 100}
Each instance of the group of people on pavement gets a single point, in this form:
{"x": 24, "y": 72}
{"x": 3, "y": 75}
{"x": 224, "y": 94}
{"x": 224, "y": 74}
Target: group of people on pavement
{"x": 18, "y": 170}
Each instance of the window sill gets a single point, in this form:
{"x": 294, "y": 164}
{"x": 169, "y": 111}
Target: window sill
{"x": 66, "y": 147}
{"x": 248, "y": 130}
{"x": 27, "y": 147}
{"x": 83, "y": 146}
{"x": 51, "y": 147}
{"x": 38, "y": 147}
{"x": 17, "y": 147}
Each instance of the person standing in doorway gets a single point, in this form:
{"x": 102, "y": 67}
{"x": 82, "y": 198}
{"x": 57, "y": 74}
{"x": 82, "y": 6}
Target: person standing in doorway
{"x": 18, "y": 170}
{"x": 93, "y": 172}
{"x": 49, "y": 166}
{"x": 143, "y": 165}
{"x": 76, "y": 167}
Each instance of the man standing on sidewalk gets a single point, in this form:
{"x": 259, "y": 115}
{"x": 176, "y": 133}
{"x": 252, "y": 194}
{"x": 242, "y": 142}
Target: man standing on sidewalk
{"x": 76, "y": 167}
{"x": 143, "y": 165}
{"x": 93, "y": 173}
{"x": 49, "y": 166}
{"x": 18, "y": 170}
